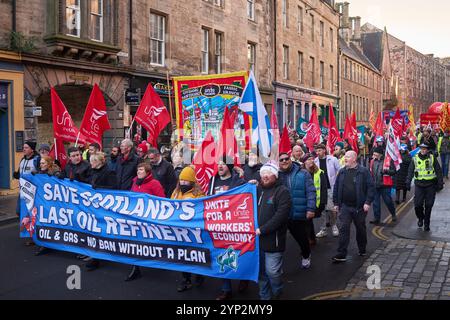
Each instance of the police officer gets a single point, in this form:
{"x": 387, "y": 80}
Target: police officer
{"x": 426, "y": 171}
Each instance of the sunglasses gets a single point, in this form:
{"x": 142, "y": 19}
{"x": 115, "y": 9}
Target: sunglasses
{"x": 285, "y": 160}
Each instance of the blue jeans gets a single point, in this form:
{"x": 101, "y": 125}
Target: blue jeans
{"x": 444, "y": 159}
{"x": 384, "y": 193}
{"x": 270, "y": 274}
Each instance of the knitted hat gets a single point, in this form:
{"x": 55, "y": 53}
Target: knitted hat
{"x": 379, "y": 150}
{"x": 31, "y": 144}
{"x": 188, "y": 174}
{"x": 45, "y": 147}
{"x": 229, "y": 162}
{"x": 307, "y": 156}
{"x": 271, "y": 166}
{"x": 143, "y": 147}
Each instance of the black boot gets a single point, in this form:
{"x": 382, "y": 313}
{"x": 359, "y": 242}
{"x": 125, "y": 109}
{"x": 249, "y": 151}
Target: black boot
{"x": 134, "y": 274}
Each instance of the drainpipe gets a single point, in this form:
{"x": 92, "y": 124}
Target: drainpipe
{"x": 131, "y": 32}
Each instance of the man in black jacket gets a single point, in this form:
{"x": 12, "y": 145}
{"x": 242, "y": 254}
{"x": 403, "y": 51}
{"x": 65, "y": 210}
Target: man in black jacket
{"x": 352, "y": 197}
{"x": 428, "y": 179}
{"x": 383, "y": 183}
{"x": 162, "y": 171}
{"x": 77, "y": 169}
{"x": 274, "y": 206}
{"x": 126, "y": 166}
{"x": 252, "y": 168}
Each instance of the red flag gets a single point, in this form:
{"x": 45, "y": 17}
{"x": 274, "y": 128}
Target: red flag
{"x": 63, "y": 125}
{"x": 333, "y": 132}
{"x": 95, "y": 120}
{"x": 285, "y": 144}
{"x": 397, "y": 124}
{"x": 351, "y": 133}
{"x": 61, "y": 155}
{"x": 205, "y": 162}
{"x": 227, "y": 144}
{"x": 152, "y": 114}
{"x": 313, "y": 133}
{"x": 324, "y": 123}
{"x": 379, "y": 126}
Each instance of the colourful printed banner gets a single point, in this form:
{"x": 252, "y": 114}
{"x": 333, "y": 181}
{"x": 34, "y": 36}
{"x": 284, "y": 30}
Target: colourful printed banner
{"x": 201, "y": 101}
{"x": 213, "y": 236}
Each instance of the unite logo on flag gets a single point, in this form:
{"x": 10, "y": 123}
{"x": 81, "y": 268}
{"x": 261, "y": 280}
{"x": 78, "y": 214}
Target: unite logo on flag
{"x": 96, "y": 115}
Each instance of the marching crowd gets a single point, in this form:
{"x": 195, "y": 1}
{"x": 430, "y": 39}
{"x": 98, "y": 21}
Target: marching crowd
{"x": 302, "y": 189}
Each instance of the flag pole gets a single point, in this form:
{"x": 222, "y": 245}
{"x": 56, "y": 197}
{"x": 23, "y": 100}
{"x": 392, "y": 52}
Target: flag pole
{"x": 78, "y": 137}
{"x": 56, "y": 148}
{"x": 129, "y": 129}
{"x": 170, "y": 96}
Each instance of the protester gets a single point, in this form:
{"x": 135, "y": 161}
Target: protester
{"x": 126, "y": 166}
{"x": 383, "y": 184}
{"x": 47, "y": 166}
{"x": 142, "y": 153}
{"x": 113, "y": 158}
{"x": 297, "y": 154}
{"x": 274, "y": 206}
{"x": 224, "y": 180}
{"x": 101, "y": 178}
{"x": 400, "y": 177}
{"x": 163, "y": 171}
{"x": 144, "y": 182}
{"x": 444, "y": 152}
{"x": 352, "y": 196}
{"x": 428, "y": 180}
{"x": 44, "y": 150}
{"x": 188, "y": 188}
{"x": 330, "y": 166}
{"x": 93, "y": 149}
{"x": 427, "y": 139}
{"x": 321, "y": 184}
{"x": 76, "y": 169}
{"x": 252, "y": 168}
{"x": 302, "y": 145}
{"x": 303, "y": 194}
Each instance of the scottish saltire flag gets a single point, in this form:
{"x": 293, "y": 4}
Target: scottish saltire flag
{"x": 251, "y": 104}
{"x": 414, "y": 152}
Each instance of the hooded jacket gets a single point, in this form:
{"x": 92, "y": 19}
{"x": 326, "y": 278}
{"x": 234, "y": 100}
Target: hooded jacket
{"x": 274, "y": 207}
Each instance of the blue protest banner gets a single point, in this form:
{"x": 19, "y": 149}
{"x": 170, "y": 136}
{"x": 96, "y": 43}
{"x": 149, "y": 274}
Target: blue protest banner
{"x": 213, "y": 236}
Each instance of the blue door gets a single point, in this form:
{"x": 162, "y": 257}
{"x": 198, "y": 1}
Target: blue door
{"x": 4, "y": 136}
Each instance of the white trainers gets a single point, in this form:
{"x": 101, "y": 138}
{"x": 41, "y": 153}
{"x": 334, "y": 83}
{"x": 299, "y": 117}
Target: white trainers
{"x": 335, "y": 231}
{"x": 322, "y": 233}
{"x": 306, "y": 263}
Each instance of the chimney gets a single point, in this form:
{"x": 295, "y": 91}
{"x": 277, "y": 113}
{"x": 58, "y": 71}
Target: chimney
{"x": 345, "y": 15}
{"x": 357, "y": 28}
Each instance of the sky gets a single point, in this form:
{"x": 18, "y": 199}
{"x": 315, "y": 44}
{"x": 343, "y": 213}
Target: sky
{"x": 424, "y": 25}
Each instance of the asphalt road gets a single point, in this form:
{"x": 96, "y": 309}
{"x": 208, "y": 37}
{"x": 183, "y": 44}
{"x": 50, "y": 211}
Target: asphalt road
{"x": 26, "y": 276}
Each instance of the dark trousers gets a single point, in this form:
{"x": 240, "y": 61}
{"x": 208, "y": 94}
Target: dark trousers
{"x": 346, "y": 216}
{"x": 397, "y": 193}
{"x": 424, "y": 196}
{"x": 299, "y": 230}
{"x": 385, "y": 194}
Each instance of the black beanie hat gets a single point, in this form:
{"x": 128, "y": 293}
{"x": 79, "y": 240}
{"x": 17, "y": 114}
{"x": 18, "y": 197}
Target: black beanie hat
{"x": 31, "y": 144}
{"x": 229, "y": 162}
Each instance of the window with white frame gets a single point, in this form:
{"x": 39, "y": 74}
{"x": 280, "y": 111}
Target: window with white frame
{"x": 285, "y": 13}
{"x": 300, "y": 20}
{"x": 251, "y": 54}
{"x": 157, "y": 39}
{"x": 285, "y": 62}
{"x": 218, "y": 51}
{"x": 73, "y": 18}
{"x": 322, "y": 70}
{"x": 251, "y": 9}
{"x": 322, "y": 34}
{"x": 96, "y": 26}
{"x": 205, "y": 50}
{"x": 300, "y": 67}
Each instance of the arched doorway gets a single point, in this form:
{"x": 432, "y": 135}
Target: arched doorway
{"x": 75, "y": 98}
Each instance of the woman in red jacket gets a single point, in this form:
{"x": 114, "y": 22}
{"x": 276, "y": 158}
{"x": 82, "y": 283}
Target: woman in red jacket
{"x": 145, "y": 183}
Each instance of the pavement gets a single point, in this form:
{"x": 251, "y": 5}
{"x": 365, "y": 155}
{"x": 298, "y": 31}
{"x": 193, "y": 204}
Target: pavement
{"x": 8, "y": 209}
{"x": 414, "y": 264}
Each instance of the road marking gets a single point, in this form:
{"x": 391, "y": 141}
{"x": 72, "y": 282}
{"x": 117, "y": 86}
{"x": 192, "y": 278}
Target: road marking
{"x": 346, "y": 293}
{"x": 378, "y": 231}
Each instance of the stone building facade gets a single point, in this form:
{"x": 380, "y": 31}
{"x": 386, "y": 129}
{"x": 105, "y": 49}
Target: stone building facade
{"x": 421, "y": 78}
{"x": 306, "y": 55}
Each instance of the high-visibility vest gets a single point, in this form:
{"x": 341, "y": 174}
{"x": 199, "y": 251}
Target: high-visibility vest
{"x": 439, "y": 144}
{"x": 424, "y": 169}
{"x": 317, "y": 185}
